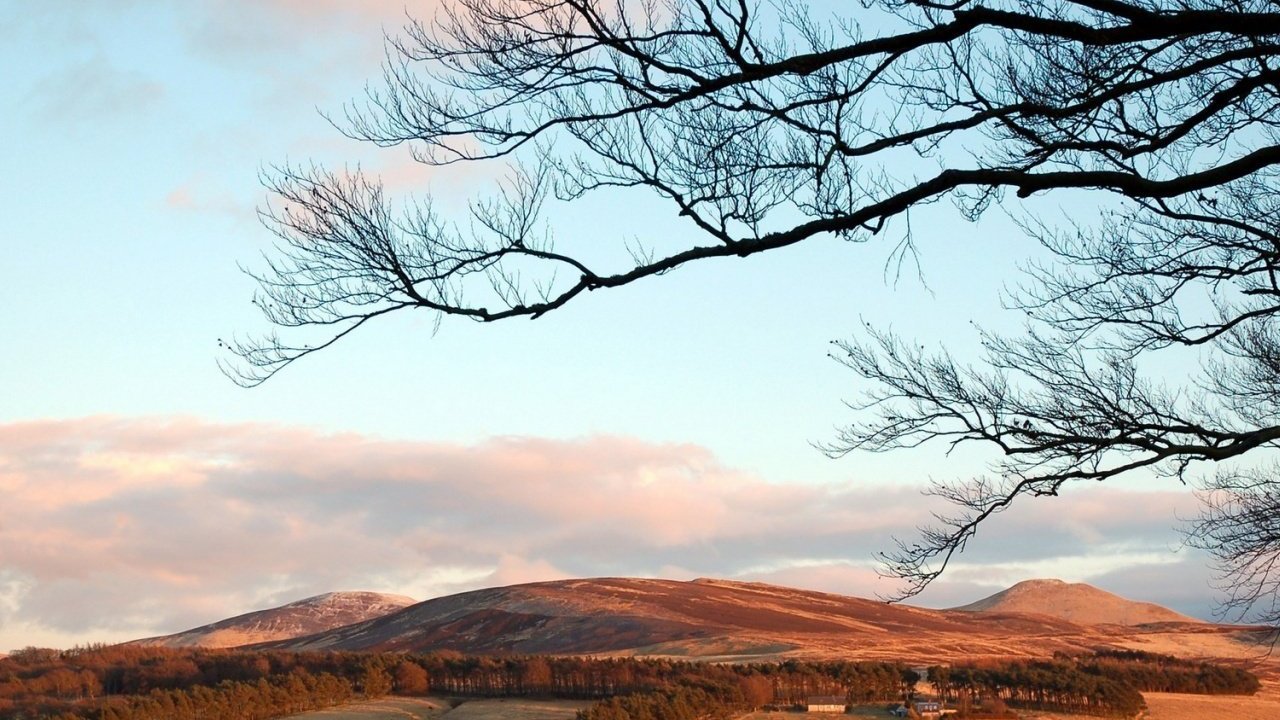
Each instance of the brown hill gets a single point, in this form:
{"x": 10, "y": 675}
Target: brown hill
{"x": 304, "y": 617}
{"x": 702, "y": 618}
{"x": 1074, "y": 602}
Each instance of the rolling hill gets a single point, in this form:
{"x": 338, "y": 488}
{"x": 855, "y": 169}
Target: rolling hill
{"x": 725, "y": 620}
{"x": 1074, "y": 602}
{"x": 304, "y": 617}
{"x": 716, "y": 619}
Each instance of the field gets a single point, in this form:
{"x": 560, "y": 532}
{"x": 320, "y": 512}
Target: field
{"x": 859, "y": 711}
{"x": 1167, "y": 706}
{"x": 439, "y": 709}
{"x": 1163, "y": 706}
{"x": 515, "y": 709}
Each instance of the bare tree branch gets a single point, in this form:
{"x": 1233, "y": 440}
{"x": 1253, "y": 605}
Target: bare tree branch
{"x": 763, "y": 126}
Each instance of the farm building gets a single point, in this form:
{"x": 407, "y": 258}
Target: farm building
{"x": 928, "y": 708}
{"x": 825, "y": 703}
{"x": 923, "y": 708}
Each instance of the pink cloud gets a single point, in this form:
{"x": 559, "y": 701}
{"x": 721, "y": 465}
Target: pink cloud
{"x": 242, "y": 26}
{"x": 842, "y": 578}
{"x": 145, "y": 526}
{"x": 514, "y": 570}
{"x": 304, "y": 49}
{"x": 336, "y": 11}
{"x": 199, "y": 195}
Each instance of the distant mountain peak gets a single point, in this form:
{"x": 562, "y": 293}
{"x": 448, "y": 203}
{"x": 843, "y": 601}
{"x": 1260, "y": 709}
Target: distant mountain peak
{"x": 343, "y": 596}
{"x": 318, "y": 613}
{"x": 1079, "y": 603}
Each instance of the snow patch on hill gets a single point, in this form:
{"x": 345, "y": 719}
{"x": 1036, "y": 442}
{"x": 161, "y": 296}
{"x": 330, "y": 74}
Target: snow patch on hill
{"x": 304, "y": 617}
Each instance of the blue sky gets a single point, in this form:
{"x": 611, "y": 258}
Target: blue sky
{"x": 135, "y": 134}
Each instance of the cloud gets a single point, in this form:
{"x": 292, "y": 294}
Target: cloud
{"x": 514, "y": 570}
{"x": 1179, "y": 583}
{"x": 841, "y": 577}
{"x": 244, "y": 28}
{"x": 94, "y": 92}
{"x": 202, "y": 195}
{"x": 312, "y": 51}
{"x": 127, "y": 527}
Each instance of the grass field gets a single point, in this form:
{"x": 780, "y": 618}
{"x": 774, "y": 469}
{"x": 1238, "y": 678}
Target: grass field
{"x": 438, "y": 709}
{"x": 858, "y": 711}
{"x": 391, "y": 708}
{"x": 1167, "y": 706}
{"x": 517, "y": 710}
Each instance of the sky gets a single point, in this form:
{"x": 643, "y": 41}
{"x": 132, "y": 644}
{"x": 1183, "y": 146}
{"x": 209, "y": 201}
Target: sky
{"x": 665, "y": 429}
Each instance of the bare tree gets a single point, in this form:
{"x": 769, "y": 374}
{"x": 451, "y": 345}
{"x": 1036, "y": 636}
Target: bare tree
{"x": 764, "y": 126}
{"x": 1240, "y": 527}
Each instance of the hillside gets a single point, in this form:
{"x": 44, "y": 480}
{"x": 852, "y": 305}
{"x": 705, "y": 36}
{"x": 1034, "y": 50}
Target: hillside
{"x": 1074, "y": 602}
{"x": 702, "y": 618}
{"x": 304, "y": 617}
{"x": 723, "y": 620}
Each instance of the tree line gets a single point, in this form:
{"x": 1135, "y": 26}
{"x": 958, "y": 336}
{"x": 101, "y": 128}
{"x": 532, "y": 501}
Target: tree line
{"x": 1153, "y": 672}
{"x": 146, "y": 683}
{"x": 299, "y": 691}
{"x": 1108, "y": 682}
{"x": 713, "y": 692}
{"x": 132, "y": 683}
{"x": 141, "y": 683}
{"x": 682, "y": 703}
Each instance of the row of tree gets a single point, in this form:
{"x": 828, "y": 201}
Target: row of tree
{"x": 789, "y": 682}
{"x": 128, "y": 683}
{"x": 1045, "y": 685}
{"x": 299, "y": 691}
{"x": 83, "y": 681}
{"x": 119, "y": 682}
{"x": 1108, "y": 683}
{"x": 296, "y": 692}
{"x": 1151, "y": 672}
{"x": 681, "y": 703}
{"x": 87, "y": 672}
